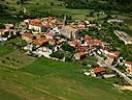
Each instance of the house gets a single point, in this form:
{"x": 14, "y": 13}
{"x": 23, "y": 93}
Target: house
{"x": 114, "y": 54}
{"x": 28, "y": 37}
{"x": 81, "y": 49}
{"x": 40, "y": 40}
{"x": 115, "y": 21}
{"x": 79, "y": 25}
{"x": 50, "y": 22}
{"x": 111, "y": 54}
{"x": 59, "y": 24}
{"x": 109, "y": 60}
{"x": 8, "y": 33}
{"x": 9, "y": 26}
{"x": 92, "y": 26}
{"x": 44, "y": 24}
{"x": 80, "y": 55}
{"x": 99, "y": 70}
{"x": 28, "y": 47}
{"x": 87, "y": 39}
{"x": 36, "y": 25}
{"x": 96, "y": 42}
{"x": 128, "y": 64}
{"x": 92, "y": 42}
{"x": 52, "y": 42}
{"x": 43, "y": 51}
{"x": 74, "y": 43}
{"x": 60, "y": 41}
{"x": 69, "y": 32}
{"x": 106, "y": 46}
{"x": 55, "y": 30}
{"x": 49, "y": 35}
{"x": 1, "y": 32}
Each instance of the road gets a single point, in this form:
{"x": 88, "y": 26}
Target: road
{"x": 101, "y": 62}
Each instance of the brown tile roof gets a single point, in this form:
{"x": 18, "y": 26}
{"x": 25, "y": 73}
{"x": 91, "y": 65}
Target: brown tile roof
{"x": 36, "y": 22}
{"x": 99, "y": 69}
{"x": 75, "y": 42}
{"x": 81, "y": 49}
{"x": 27, "y": 35}
{"x": 91, "y": 41}
{"x": 40, "y": 41}
{"x": 128, "y": 62}
{"x": 114, "y": 54}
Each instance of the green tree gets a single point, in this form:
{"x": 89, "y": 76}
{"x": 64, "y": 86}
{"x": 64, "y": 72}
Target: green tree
{"x": 2, "y": 26}
{"x": 67, "y": 47}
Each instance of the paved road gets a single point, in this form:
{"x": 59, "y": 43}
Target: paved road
{"x": 122, "y": 75}
{"x": 101, "y": 62}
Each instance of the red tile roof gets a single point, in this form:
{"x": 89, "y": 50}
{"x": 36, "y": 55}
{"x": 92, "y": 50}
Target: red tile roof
{"x": 114, "y": 54}
{"x": 99, "y": 69}
{"x": 75, "y": 43}
{"x": 40, "y": 41}
{"x": 87, "y": 38}
{"x": 81, "y": 49}
{"x": 36, "y": 22}
{"x": 91, "y": 41}
{"x": 128, "y": 62}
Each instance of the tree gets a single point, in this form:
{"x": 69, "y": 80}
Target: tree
{"x": 97, "y": 5}
{"x": 2, "y": 26}
{"x": 67, "y": 47}
{"x": 22, "y": 1}
{"x": 1, "y": 8}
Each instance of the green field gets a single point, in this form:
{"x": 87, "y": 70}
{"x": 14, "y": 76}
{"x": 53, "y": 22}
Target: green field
{"x": 41, "y": 8}
{"x": 53, "y": 80}
{"x": 45, "y": 79}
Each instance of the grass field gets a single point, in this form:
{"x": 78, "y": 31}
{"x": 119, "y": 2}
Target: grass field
{"x": 41, "y": 8}
{"x": 16, "y": 60}
{"x": 4, "y": 95}
{"x": 9, "y": 46}
{"x": 53, "y": 80}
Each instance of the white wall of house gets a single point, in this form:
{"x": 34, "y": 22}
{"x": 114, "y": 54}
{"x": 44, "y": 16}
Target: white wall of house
{"x": 1, "y": 33}
{"x": 35, "y": 28}
{"x": 129, "y": 68}
{"x": 128, "y": 65}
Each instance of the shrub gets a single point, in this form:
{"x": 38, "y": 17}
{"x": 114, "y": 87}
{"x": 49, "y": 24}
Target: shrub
{"x": 2, "y": 26}
{"x": 67, "y": 47}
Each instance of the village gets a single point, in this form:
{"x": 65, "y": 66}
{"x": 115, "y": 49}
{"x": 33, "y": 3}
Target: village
{"x": 58, "y": 40}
